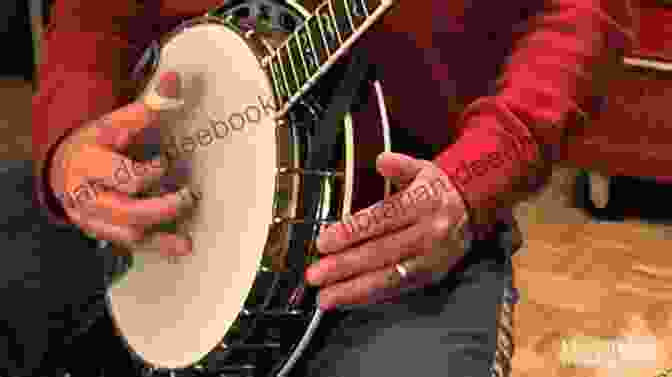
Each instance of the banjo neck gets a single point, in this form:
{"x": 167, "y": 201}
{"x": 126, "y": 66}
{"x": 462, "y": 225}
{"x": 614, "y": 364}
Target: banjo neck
{"x": 315, "y": 46}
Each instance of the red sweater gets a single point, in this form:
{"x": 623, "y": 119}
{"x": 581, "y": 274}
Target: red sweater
{"x": 492, "y": 83}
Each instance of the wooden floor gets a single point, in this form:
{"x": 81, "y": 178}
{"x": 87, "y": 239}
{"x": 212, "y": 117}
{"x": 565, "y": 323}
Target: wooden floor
{"x": 580, "y": 277}
{"x": 576, "y": 276}
{"x": 15, "y": 119}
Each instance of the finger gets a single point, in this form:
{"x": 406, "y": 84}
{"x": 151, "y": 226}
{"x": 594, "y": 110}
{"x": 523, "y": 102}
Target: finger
{"x": 399, "y": 168}
{"x": 118, "y": 208}
{"x": 166, "y": 244}
{"x": 372, "y": 255}
{"x": 448, "y": 247}
{"x": 361, "y": 290}
{"x": 386, "y": 283}
{"x": 431, "y": 267}
{"x": 167, "y": 93}
{"x": 143, "y": 175}
{"x": 108, "y": 170}
{"x": 119, "y": 128}
{"x": 119, "y": 234}
{"x": 100, "y": 166}
{"x": 393, "y": 213}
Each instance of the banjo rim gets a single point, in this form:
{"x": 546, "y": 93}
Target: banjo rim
{"x": 260, "y": 50}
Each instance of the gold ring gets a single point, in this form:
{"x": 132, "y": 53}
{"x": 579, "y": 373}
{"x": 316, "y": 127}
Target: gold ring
{"x": 402, "y": 270}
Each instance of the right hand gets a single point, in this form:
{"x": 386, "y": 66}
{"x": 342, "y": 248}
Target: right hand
{"x": 83, "y": 176}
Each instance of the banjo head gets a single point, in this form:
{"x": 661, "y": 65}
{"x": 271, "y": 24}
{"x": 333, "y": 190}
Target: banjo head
{"x": 239, "y": 301}
{"x": 173, "y": 311}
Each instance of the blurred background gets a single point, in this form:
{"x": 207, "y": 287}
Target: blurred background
{"x": 597, "y": 258}
{"x": 15, "y": 31}
{"x": 17, "y": 72}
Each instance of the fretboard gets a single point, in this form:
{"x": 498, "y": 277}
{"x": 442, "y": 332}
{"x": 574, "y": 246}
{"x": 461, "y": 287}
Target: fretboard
{"x": 318, "y": 43}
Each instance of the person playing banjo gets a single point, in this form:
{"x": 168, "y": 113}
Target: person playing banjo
{"x": 412, "y": 282}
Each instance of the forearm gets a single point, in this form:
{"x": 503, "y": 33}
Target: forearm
{"x": 85, "y": 73}
{"x": 554, "y": 72}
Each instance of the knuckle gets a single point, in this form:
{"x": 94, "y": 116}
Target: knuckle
{"x": 123, "y": 218}
{"x": 135, "y": 186}
{"x": 337, "y": 231}
{"x": 78, "y": 219}
{"x": 436, "y": 202}
{"x": 335, "y": 268}
{"x": 335, "y": 263}
{"x": 128, "y": 238}
{"x": 133, "y": 235}
{"x": 350, "y": 262}
{"x": 428, "y": 164}
{"x": 343, "y": 232}
{"x": 442, "y": 226}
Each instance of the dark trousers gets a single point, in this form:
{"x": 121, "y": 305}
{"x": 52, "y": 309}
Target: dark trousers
{"x": 52, "y": 284}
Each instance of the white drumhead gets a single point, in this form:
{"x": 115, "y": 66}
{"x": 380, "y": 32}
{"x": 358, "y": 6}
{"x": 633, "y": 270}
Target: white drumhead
{"x": 172, "y": 315}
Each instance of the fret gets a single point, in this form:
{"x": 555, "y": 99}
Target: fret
{"x": 334, "y": 22}
{"x": 343, "y": 18}
{"x": 292, "y": 67}
{"x": 282, "y": 86}
{"x": 276, "y": 83}
{"x": 314, "y": 29}
{"x": 330, "y": 34}
{"x": 355, "y": 12}
{"x": 359, "y": 8}
{"x": 339, "y": 26}
{"x": 370, "y": 5}
{"x": 313, "y": 51}
{"x": 288, "y": 89}
{"x": 327, "y": 45}
{"x": 289, "y": 71}
{"x": 345, "y": 5}
{"x": 298, "y": 77}
{"x": 302, "y": 50}
{"x": 275, "y": 71}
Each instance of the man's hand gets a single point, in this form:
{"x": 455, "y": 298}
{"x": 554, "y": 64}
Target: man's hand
{"x": 85, "y": 176}
{"x": 406, "y": 241}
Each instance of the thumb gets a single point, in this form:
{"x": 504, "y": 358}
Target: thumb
{"x": 401, "y": 169}
{"x": 121, "y": 126}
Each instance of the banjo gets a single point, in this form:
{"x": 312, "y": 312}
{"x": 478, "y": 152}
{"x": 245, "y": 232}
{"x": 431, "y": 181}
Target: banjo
{"x": 267, "y": 172}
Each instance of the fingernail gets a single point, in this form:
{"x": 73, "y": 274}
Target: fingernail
{"x": 309, "y": 276}
{"x": 189, "y": 239}
{"x": 170, "y": 85}
{"x": 166, "y": 95}
{"x": 187, "y": 247}
{"x": 180, "y": 248}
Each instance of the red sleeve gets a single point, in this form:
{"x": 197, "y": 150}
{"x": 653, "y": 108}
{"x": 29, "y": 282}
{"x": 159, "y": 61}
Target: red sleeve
{"x": 551, "y": 78}
{"x": 89, "y": 50}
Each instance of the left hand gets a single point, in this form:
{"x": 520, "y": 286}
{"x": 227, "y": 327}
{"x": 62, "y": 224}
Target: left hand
{"x": 419, "y": 228}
